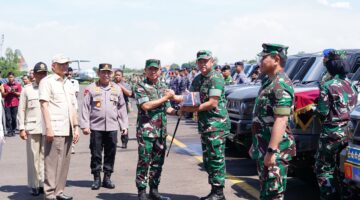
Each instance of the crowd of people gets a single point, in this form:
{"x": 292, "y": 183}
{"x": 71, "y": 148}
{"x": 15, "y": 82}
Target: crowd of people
{"x": 46, "y": 113}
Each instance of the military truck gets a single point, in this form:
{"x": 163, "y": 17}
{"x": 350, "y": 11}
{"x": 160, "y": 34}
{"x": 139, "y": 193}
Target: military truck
{"x": 306, "y": 78}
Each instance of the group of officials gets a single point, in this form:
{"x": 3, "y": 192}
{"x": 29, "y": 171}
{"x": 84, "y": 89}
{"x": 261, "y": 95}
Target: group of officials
{"x": 50, "y": 103}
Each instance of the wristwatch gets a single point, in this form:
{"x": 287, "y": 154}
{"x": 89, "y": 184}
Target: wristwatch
{"x": 271, "y": 150}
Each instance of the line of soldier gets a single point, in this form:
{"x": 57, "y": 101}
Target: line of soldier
{"x": 104, "y": 112}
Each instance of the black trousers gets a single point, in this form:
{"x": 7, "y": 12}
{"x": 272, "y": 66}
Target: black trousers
{"x": 99, "y": 141}
{"x": 10, "y": 114}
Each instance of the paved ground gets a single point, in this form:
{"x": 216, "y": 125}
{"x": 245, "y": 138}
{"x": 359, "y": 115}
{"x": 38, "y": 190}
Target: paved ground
{"x": 183, "y": 176}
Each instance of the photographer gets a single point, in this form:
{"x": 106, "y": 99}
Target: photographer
{"x": 11, "y": 93}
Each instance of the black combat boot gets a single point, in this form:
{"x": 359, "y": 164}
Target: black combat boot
{"x": 207, "y": 196}
{"x": 124, "y": 141}
{"x": 97, "y": 182}
{"x": 107, "y": 182}
{"x": 154, "y": 194}
{"x": 216, "y": 194}
{"x": 142, "y": 195}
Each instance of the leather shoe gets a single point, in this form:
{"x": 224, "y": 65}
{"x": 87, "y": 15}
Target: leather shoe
{"x": 35, "y": 191}
{"x": 62, "y": 196}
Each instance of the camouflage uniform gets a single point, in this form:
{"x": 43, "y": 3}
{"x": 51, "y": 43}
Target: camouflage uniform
{"x": 276, "y": 97}
{"x": 151, "y": 134}
{"x": 337, "y": 98}
{"x": 213, "y": 125}
{"x": 228, "y": 80}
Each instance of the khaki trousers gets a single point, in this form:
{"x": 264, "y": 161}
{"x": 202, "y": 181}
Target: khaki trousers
{"x": 57, "y": 160}
{"x": 35, "y": 160}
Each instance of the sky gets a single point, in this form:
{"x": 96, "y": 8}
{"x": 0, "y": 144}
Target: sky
{"x": 130, "y": 31}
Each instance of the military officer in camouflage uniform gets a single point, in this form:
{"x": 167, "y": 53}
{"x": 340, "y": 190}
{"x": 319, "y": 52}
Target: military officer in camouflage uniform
{"x": 337, "y": 98}
{"x": 153, "y": 103}
{"x": 213, "y": 122}
{"x": 273, "y": 142}
{"x": 103, "y": 114}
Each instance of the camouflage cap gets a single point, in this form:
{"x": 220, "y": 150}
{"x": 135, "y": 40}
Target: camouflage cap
{"x": 203, "y": 54}
{"x": 40, "y": 67}
{"x": 152, "y": 63}
{"x": 105, "y": 67}
{"x": 274, "y": 49}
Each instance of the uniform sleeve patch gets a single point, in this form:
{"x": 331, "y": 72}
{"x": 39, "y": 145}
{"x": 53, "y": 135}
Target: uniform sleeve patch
{"x": 143, "y": 100}
{"x": 215, "y": 93}
{"x": 282, "y": 111}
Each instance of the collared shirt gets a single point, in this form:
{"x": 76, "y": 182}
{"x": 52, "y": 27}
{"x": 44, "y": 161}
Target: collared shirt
{"x": 212, "y": 85}
{"x": 11, "y": 99}
{"x": 75, "y": 84}
{"x": 151, "y": 123}
{"x": 61, "y": 97}
{"x": 228, "y": 80}
{"x": 29, "y": 116}
{"x": 104, "y": 108}
{"x": 276, "y": 98}
{"x": 240, "y": 78}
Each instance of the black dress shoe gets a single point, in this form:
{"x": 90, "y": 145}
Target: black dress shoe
{"x": 62, "y": 196}
{"x": 41, "y": 190}
{"x": 35, "y": 191}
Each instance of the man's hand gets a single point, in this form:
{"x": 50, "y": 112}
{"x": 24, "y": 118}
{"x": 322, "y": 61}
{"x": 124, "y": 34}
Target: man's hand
{"x": 49, "y": 136}
{"x": 124, "y": 132}
{"x": 23, "y": 135}
{"x": 269, "y": 159}
{"x": 76, "y": 136}
{"x": 169, "y": 94}
{"x": 86, "y": 131}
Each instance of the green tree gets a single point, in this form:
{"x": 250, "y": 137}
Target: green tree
{"x": 9, "y": 63}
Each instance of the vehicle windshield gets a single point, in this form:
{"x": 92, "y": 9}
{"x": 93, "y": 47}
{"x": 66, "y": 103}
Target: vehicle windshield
{"x": 316, "y": 71}
{"x": 247, "y": 68}
{"x": 290, "y": 66}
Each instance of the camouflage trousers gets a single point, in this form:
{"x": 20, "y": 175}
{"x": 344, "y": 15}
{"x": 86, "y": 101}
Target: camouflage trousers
{"x": 213, "y": 147}
{"x": 327, "y": 161}
{"x": 151, "y": 152}
{"x": 273, "y": 179}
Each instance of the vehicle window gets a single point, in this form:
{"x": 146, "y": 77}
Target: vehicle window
{"x": 290, "y": 65}
{"x": 302, "y": 68}
{"x": 316, "y": 71}
{"x": 356, "y": 65}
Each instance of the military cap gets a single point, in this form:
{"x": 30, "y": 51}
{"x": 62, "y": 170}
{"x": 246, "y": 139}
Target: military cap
{"x": 152, "y": 63}
{"x": 226, "y": 67}
{"x": 203, "y": 54}
{"x": 40, "y": 67}
{"x": 273, "y": 49}
{"x": 105, "y": 67}
{"x": 239, "y": 63}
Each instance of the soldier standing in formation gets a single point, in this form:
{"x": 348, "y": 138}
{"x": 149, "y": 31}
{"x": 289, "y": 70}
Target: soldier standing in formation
{"x": 152, "y": 98}
{"x": 213, "y": 124}
{"x": 337, "y": 98}
{"x": 30, "y": 125}
{"x": 103, "y": 111}
{"x": 273, "y": 143}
